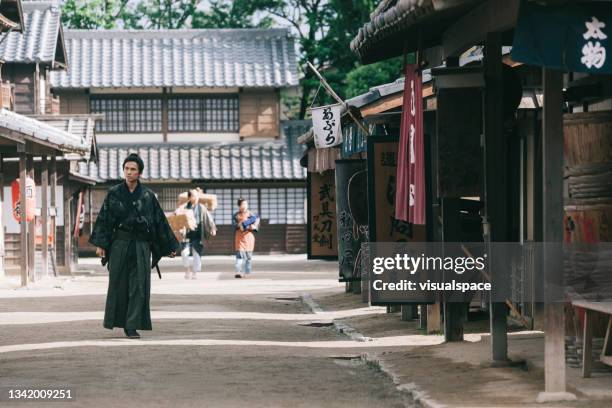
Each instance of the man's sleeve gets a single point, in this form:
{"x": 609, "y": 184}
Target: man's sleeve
{"x": 102, "y": 233}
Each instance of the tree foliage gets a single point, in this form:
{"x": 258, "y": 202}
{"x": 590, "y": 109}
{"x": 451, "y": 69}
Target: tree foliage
{"x": 323, "y": 28}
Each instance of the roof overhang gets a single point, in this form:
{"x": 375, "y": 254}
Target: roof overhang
{"x": 26, "y": 129}
{"x": 82, "y": 179}
{"x": 11, "y": 15}
{"x": 407, "y": 26}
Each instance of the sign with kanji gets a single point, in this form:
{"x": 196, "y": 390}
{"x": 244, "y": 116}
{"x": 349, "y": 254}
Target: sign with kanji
{"x": 572, "y": 37}
{"x": 382, "y": 187}
{"x": 326, "y": 125}
{"x": 30, "y": 200}
{"x": 349, "y": 238}
{"x": 322, "y": 228}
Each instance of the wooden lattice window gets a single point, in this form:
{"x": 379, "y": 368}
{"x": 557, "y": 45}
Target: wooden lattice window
{"x": 128, "y": 114}
{"x": 203, "y": 113}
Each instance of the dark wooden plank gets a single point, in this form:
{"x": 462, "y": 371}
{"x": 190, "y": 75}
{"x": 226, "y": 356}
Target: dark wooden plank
{"x": 496, "y": 188}
{"x": 552, "y": 204}
{"x": 587, "y": 341}
{"x": 23, "y": 225}
{"x": 44, "y": 206}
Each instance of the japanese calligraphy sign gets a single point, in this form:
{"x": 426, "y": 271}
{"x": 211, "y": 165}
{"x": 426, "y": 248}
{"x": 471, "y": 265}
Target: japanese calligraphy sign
{"x": 410, "y": 196}
{"x": 382, "y": 173}
{"x": 30, "y": 200}
{"x": 572, "y": 37}
{"x": 326, "y": 125}
{"x": 322, "y": 238}
{"x": 349, "y": 238}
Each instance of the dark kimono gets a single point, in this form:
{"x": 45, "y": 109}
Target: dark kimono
{"x": 125, "y": 227}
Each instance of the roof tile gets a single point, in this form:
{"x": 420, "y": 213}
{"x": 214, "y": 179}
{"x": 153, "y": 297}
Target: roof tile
{"x": 154, "y": 58}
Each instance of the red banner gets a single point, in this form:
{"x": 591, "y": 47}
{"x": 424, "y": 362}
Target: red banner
{"x": 410, "y": 194}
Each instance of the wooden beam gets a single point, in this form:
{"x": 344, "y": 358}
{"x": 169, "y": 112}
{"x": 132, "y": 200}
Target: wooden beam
{"x": 454, "y": 311}
{"x": 53, "y": 205}
{"x": 32, "y": 227}
{"x": 67, "y": 227}
{"x": 23, "y": 227}
{"x": 552, "y": 204}
{"x": 471, "y": 29}
{"x": 383, "y": 105}
{"x": 496, "y": 190}
{"x": 44, "y": 216}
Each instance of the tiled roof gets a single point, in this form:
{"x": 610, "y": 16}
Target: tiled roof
{"x": 41, "y": 37}
{"x": 405, "y": 25}
{"x": 81, "y": 126}
{"x": 190, "y": 58}
{"x": 241, "y": 161}
{"x": 43, "y": 133}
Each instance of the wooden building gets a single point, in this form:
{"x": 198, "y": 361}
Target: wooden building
{"x": 511, "y": 164}
{"x": 47, "y": 148}
{"x": 203, "y": 109}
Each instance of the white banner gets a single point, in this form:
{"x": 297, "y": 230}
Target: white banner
{"x": 326, "y": 125}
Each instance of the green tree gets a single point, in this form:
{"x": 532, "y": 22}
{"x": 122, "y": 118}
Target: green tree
{"x": 91, "y": 14}
{"x": 362, "y": 78}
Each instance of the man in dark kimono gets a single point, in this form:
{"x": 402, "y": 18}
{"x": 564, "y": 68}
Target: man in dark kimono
{"x": 130, "y": 231}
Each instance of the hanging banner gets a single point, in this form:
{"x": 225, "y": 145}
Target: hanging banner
{"x": 410, "y": 194}
{"x": 349, "y": 239}
{"x": 326, "y": 125}
{"x": 575, "y": 37}
{"x": 322, "y": 240}
{"x": 30, "y": 200}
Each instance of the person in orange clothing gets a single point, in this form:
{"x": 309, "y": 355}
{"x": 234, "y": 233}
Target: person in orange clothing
{"x": 245, "y": 224}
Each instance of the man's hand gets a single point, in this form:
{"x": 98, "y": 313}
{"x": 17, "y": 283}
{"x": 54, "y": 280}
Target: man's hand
{"x": 213, "y": 233}
{"x": 101, "y": 252}
{"x": 172, "y": 254}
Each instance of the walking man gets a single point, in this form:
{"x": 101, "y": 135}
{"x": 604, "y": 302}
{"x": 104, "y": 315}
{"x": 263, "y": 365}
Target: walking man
{"x": 245, "y": 223}
{"x": 204, "y": 229}
{"x": 131, "y": 233}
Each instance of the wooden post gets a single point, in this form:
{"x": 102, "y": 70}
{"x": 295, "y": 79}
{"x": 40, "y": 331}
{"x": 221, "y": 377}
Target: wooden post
{"x": 434, "y": 324}
{"x": 2, "y": 250}
{"x": 53, "y": 205}
{"x": 44, "y": 216}
{"x": 454, "y": 311}
{"x": 552, "y": 204}
{"x": 423, "y": 317}
{"x": 496, "y": 187}
{"x": 23, "y": 226}
{"x": 587, "y": 344}
{"x": 164, "y": 118}
{"x": 67, "y": 228}
{"x": 31, "y": 228}
{"x": 410, "y": 312}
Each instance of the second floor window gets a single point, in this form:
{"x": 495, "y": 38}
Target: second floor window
{"x": 128, "y": 114}
{"x": 214, "y": 113}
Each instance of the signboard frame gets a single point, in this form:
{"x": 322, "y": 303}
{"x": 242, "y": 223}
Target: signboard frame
{"x": 309, "y": 191}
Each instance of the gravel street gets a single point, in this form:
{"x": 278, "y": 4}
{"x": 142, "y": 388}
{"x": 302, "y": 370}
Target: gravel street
{"x": 216, "y": 341}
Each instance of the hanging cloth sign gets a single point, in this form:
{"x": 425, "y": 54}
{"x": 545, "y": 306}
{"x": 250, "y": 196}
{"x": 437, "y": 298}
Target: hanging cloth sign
{"x": 410, "y": 193}
{"x": 30, "y": 201}
{"x": 576, "y": 37}
{"x": 326, "y": 125}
